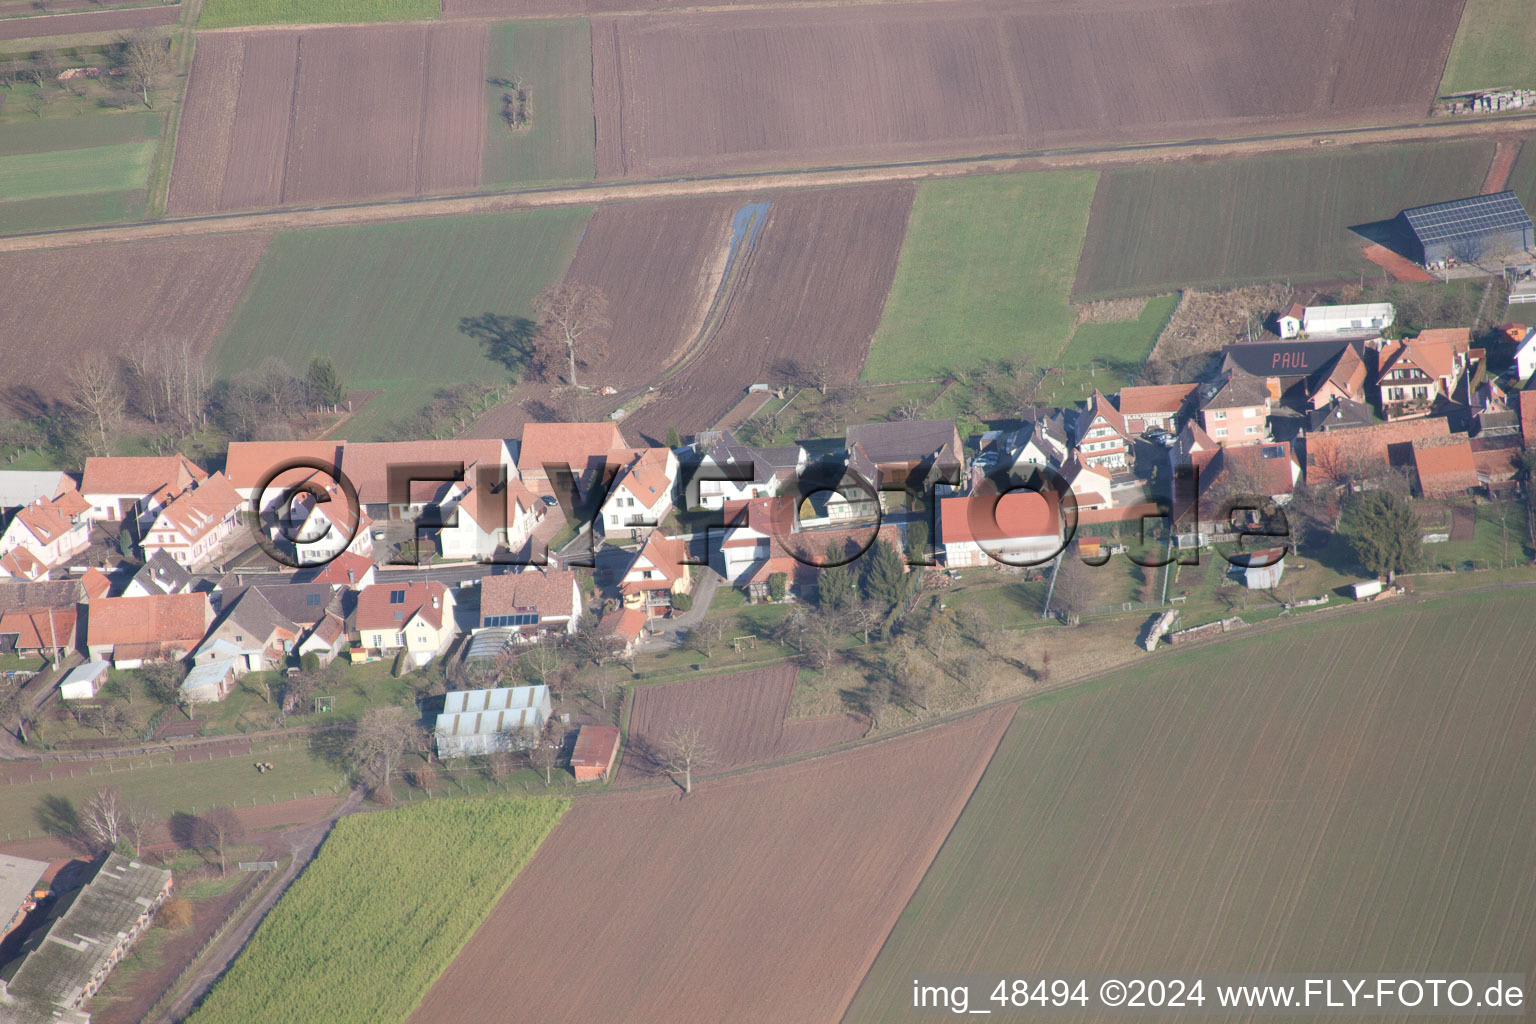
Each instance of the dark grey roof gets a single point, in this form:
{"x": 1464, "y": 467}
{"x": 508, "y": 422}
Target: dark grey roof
{"x": 1472, "y": 217}
{"x": 303, "y": 603}
{"x": 904, "y": 440}
{"x": 784, "y": 456}
{"x": 1283, "y": 358}
{"x": 1340, "y": 414}
{"x": 727, "y": 451}
{"x": 162, "y": 574}
{"x": 1235, "y": 388}
{"x": 255, "y": 615}
{"x": 46, "y": 594}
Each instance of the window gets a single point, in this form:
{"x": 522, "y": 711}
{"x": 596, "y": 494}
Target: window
{"x": 399, "y": 639}
{"x": 399, "y": 616}
{"x": 1250, "y": 429}
{"x": 397, "y": 597}
{"x": 1219, "y": 414}
{"x": 1219, "y": 432}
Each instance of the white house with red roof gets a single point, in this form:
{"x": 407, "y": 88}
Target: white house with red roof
{"x": 641, "y": 494}
{"x": 1413, "y": 373}
{"x": 192, "y": 527}
{"x": 250, "y": 464}
{"x": 319, "y": 531}
{"x": 1100, "y": 436}
{"x": 532, "y": 601}
{"x": 414, "y": 617}
{"x": 130, "y": 631}
{"x": 1019, "y": 528}
{"x": 1153, "y": 406}
{"x": 50, "y": 531}
{"x": 118, "y": 487}
{"x": 420, "y": 471}
{"x": 656, "y": 572}
{"x": 485, "y": 513}
{"x": 1090, "y": 485}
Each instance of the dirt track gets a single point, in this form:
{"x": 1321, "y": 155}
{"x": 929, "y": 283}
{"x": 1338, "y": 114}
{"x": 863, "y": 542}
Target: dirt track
{"x": 654, "y": 907}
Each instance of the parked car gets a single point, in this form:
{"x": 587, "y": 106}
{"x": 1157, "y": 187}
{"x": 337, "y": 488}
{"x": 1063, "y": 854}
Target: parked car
{"x": 551, "y": 500}
{"x": 1161, "y": 437}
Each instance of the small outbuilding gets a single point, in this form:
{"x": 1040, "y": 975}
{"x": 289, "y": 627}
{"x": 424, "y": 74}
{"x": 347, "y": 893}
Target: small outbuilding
{"x": 1261, "y": 570}
{"x": 595, "y": 753}
{"x": 209, "y": 682}
{"x": 84, "y": 681}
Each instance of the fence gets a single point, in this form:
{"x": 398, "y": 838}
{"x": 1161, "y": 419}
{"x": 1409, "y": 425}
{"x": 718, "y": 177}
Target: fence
{"x": 161, "y": 1005}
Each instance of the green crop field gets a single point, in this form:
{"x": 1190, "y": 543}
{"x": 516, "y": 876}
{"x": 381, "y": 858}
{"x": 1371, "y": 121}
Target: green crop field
{"x": 985, "y": 274}
{"x": 75, "y": 171}
{"x": 388, "y": 902}
{"x": 227, "y": 13}
{"x": 1493, "y": 48}
{"x": 1106, "y": 356}
{"x": 384, "y": 301}
{"x": 1264, "y": 219}
{"x": 553, "y": 61}
{"x": 63, "y": 169}
{"x": 1354, "y": 795}
{"x": 1522, "y": 177}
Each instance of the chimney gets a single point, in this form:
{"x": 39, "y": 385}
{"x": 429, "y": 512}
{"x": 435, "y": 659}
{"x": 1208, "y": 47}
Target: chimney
{"x": 351, "y": 576}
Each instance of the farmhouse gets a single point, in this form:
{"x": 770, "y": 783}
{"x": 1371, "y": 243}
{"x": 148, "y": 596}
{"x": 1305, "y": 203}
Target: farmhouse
{"x": 118, "y": 488}
{"x": 475, "y": 722}
{"x": 731, "y": 471}
{"x": 1465, "y": 230}
{"x": 1017, "y": 529}
{"x": 1341, "y": 456}
{"x": 416, "y": 618}
{"x": 321, "y": 525}
{"x": 251, "y": 635}
{"x": 84, "y": 681}
{"x": 487, "y": 513}
{"x": 129, "y": 631}
{"x": 1412, "y": 374}
{"x": 193, "y": 525}
{"x": 656, "y": 573}
{"x": 248, "y": 464}
{"x": 50, "y": 530}
{"x": 595, "y": 753}
{"x": 1042, "y": 439}
{"x": 1343, "y": 381}
{"x": 1153, "y": 407}
{"x": 1319, "y": 322}
{"x": 642, "y": 492}
{"x": 1101, "y": 436}
{"x": 45, "y": 632}
{"x": 533, "y": 601}
{"x": 1444, "y": 466}
{"x": 585, "y": 450}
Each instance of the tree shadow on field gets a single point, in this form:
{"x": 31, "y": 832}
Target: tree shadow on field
{"x": 507, "y": 340}
{"x": 59, "y": 818}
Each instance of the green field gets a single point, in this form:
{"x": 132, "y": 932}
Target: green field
{"x": 71, "y": 172}
{"x": 984, "y": 274}
{"x": 1356, "y": 795}
{"x": 1106, "y": 356}
{"x": 227, "y": 13}
{"x": 553, "y": 60}
{"x": 384, "y": 301}
{"x": 65, "y": 168}
{"x": 1493, "y": 48}
{"x": 1263, "y": 219}
{"x": 1522, "y": 177}
{"x": 388, "y": 902}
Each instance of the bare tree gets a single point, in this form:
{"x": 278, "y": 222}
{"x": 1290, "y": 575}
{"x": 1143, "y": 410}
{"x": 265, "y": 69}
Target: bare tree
{"x": 605, "y": 686}
{"x": 1077, "y": 587}
{"x": 146, "y": 58}
{"x": 138, "y": 819}
{"x": 545, "y": 752}
{"x": 685, "y": 750}
{"x": 96, "y": 392}
{"x": 820, "y": 635}
{"x": 222, "y": 829}
{"x": 542, "y": 661}
{"x": 383, "y": 737}
{"x": 103, "y": 817}
{"x": 705, "y": 636}
{"x": 573, "y": 320}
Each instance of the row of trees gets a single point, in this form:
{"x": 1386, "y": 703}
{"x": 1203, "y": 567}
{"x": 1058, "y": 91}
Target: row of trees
{"x": 111, "y": 822}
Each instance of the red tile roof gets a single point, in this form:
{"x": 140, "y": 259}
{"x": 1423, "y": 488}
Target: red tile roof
{"x": 367, "y": 464}
{"x": 1331, "y": 455}
{"x": 165, "y": 619}
{"x": 574, "y": 444}
{"x": 52, "y": 519}
{"x": 546, "y": 591}
{"x": 376, "y": 610}
{"x": 645, "y": 475}
{"x": 1015, "y": 515}
{"x": 625, "y": 623}
{"x": 664, "y": 554}
{"x": 139, "y": 474}
{"x": 336, "y": 572}
{"x": 21, "y": 563}
{"x": 197, "y": 512}
{"x": 95, "y": 583}
{"x": 1154, "y": 398}
{"x": 1444, "y": 468}
{"x": 39, "y": 628}
{"x": 247, "y": 462}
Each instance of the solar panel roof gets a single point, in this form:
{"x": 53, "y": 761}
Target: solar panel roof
{"x": 1468, "y": 218}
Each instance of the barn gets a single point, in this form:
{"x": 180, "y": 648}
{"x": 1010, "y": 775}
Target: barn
{"x": 1466, "y": 230}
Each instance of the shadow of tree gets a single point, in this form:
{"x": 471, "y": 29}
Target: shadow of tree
{"x": 508, "y": 340}
{"x": 58, "y": 817}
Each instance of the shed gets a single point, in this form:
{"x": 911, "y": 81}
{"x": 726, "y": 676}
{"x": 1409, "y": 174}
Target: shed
{"x": 210, "y": 682}
{"x": 596, "y": 751}
{"x": 1261, "y": 570}
{"x": 84, "y": 681}
{"x": 1465, "y": 230}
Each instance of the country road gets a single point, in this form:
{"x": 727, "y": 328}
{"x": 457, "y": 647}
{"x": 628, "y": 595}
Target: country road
{"x": 729, "y": 183}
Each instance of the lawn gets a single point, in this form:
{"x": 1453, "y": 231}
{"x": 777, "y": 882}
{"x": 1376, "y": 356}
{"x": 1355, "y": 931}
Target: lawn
{"x": 1278, "y": 218}
{"x": 553, "y": 61}
{"x": 168, "y": 788}
{"x": 1522, "y": 177}
{"x": 385, "y": 906}
{"x": 985, "y": 274}
{"x": 1493, "y": 48}
{"x": 384, "y": 301}
{"x": 71, "y": 172}
{"x": 1106, "y": 356}
{"x": 1352, "y": 795}
{"x": 227, "y": 13}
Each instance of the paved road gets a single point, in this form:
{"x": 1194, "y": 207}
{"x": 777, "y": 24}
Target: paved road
{"x": 302, "y": 844}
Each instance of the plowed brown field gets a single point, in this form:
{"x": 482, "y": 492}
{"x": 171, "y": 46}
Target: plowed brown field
{"x": 813, "y": 288}
{"x": 680, "y": 93}
{"x": 312, "y": 115}
{"x": 762, "y": 897}
{"x": 742, "y": 715}
{"x": 89, "y": 21}
{"x": 62, "y": 303}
